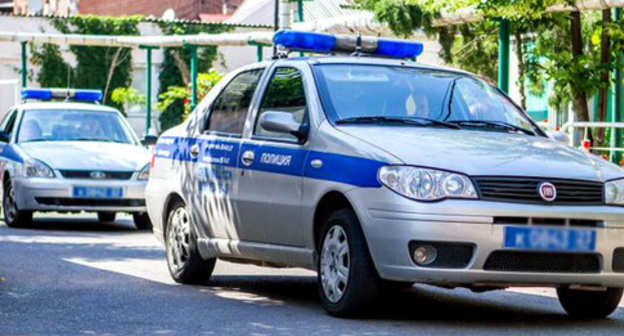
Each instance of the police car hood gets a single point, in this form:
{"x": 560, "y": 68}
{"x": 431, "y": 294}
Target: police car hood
{"x": 88, "y": 155}
{"x": 486, "y": 152}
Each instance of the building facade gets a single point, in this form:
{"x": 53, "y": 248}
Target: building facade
{"x": 183, "y": 9}
{"x": 45, "y": 7}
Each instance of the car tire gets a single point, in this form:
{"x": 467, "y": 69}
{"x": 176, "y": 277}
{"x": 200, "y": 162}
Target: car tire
{"x": 185, "y": 264}
{"x": 13, "y": 217}
{"x": 142, "y": 221}
{"x": 348, "y": 282}
{"x": 106, "y": 217}
{"x": 584, "y": 304}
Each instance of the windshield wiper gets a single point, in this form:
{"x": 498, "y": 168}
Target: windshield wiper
{"x": 34, "y": 140}
{"x": 96, "y": 140}
{"x": 492, "y": 124}
{"x": 416, "y": 121}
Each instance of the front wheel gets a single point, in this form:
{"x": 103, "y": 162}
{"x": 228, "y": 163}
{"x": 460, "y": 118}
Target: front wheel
{"x": 348, "y": 282}
{"x": 183, "y": 259}
{"x": 586, "y": 304}
{"x": 13, "y": 217}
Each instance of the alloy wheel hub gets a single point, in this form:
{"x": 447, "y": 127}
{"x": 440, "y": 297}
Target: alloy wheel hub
{"x": 335, "y": 263}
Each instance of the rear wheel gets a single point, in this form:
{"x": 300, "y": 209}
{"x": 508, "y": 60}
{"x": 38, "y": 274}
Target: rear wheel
{"x": 106, "y": 217}
{"x": 183, "y": 259}
{"x": 13, "y": 217}
{"x": 142, "y": 221}
{"x": 587, "y": 304}
{"x": 348, "y": 282}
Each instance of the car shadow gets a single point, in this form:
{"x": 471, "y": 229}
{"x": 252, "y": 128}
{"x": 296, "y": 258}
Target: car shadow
{"x": 82, "y": 223}
{"x": 423, "y": 303}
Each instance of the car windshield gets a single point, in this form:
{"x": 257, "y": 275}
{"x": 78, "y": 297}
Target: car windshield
{"x": 394, "y": 95}
{"x": 73, "y": 125}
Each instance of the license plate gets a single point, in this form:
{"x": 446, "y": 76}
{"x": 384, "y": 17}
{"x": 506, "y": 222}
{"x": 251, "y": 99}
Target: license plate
{"x": 549, "y": 239}
{"x": 98, "y": 192}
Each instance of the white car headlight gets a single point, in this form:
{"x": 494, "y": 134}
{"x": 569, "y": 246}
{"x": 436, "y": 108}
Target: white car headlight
{"x": 426, "y": 184}
{"x": 36, "y": 168}
{"x": 144, "y": 173}
{"x": 614, "y": 192}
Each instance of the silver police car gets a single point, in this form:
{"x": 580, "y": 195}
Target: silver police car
{"x": 380, "y": 172}
{"x": 70, "y": 157}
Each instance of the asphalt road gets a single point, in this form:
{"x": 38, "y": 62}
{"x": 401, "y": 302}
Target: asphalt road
{"x": 73, "y": 276}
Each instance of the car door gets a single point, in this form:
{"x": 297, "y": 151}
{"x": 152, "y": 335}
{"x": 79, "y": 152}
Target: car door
{"x": 270, "y": 182}
{"x": 7, "y": 124}
{"x": 215, "y": 152}
{"x": 7, "y": 155}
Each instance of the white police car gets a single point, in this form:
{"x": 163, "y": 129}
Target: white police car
{"x": 378, "y": 170}
{"x": 71, "y": 156}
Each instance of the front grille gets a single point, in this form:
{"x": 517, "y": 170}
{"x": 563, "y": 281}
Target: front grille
{"x": 539, "y": 262}
{"x": 449, "y": 255}
{"x": 618, "y": 260}
{"x": 89, "y": 202}
{"x": 106, "y": 175}
{"x": 524, "y": 190}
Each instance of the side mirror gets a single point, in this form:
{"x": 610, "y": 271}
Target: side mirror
{"x": 282, "y": 122}
{"x": 4, "y": 137}
{"x": 559, "y": 136}
{"x": 149, "y": 140}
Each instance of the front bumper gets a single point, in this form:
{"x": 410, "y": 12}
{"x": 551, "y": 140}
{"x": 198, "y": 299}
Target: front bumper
{"x": 390, "y": 222}
{"x": 40, "y": 194}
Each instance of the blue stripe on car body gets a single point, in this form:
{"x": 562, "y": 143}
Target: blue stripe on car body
{"x": 9, "y": 153}
{"x": 340, "y": 168}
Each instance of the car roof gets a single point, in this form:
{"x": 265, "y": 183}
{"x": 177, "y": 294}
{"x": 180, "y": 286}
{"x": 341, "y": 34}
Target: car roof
{"x": 368, "y": 60}
{"x": 64, "y": 106}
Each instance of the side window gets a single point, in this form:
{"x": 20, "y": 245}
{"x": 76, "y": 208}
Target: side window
{"x": 9, "y": 122}
{"x": 229, "y": 110}
{"x": 285, "y": 93}
{"x": 6, "y": 119}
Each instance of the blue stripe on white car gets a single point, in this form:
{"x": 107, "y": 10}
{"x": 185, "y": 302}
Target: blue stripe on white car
{"x": 274, "y": 159}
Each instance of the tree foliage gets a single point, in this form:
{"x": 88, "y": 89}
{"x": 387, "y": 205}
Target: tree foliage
{"x": 179, "y": 98}
{"x": 174, "y": 73}
{"x": 55, "y": 72}
{"x": 103, "y": 68}
{"x": 548, "y": 39}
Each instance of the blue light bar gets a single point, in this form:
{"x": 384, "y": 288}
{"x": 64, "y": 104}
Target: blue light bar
{"x": 398, "y": 48}
{"x": 68, "y": 94}
{"x": 327, "y": 43}
{"x": 43, "y": 94}
{"x": 87, "y": 95}
{"x": 304, "y": 41}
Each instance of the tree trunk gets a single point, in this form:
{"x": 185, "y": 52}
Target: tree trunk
{"x": 111, "y": 71}
{"x": 580, "y": 97}
{"x": 184, "y": 69}
{"x": 521, "y": 67}
{"x": 603, "y": 92}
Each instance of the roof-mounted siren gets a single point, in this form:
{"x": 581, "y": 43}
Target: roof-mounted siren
{"x": 62, "y": 94}
{"x": 322, "y": 43}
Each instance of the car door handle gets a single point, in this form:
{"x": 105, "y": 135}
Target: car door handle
{"x": 194, "y": 151}
{"x": 248, "y": 157}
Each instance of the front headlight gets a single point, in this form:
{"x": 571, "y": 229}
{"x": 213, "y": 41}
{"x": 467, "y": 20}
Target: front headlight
{"x": 614, "y": 192}
{"x": 36, "y": 168}
{"x": 144, "y": 173}
{"x": 426, "y": 184}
